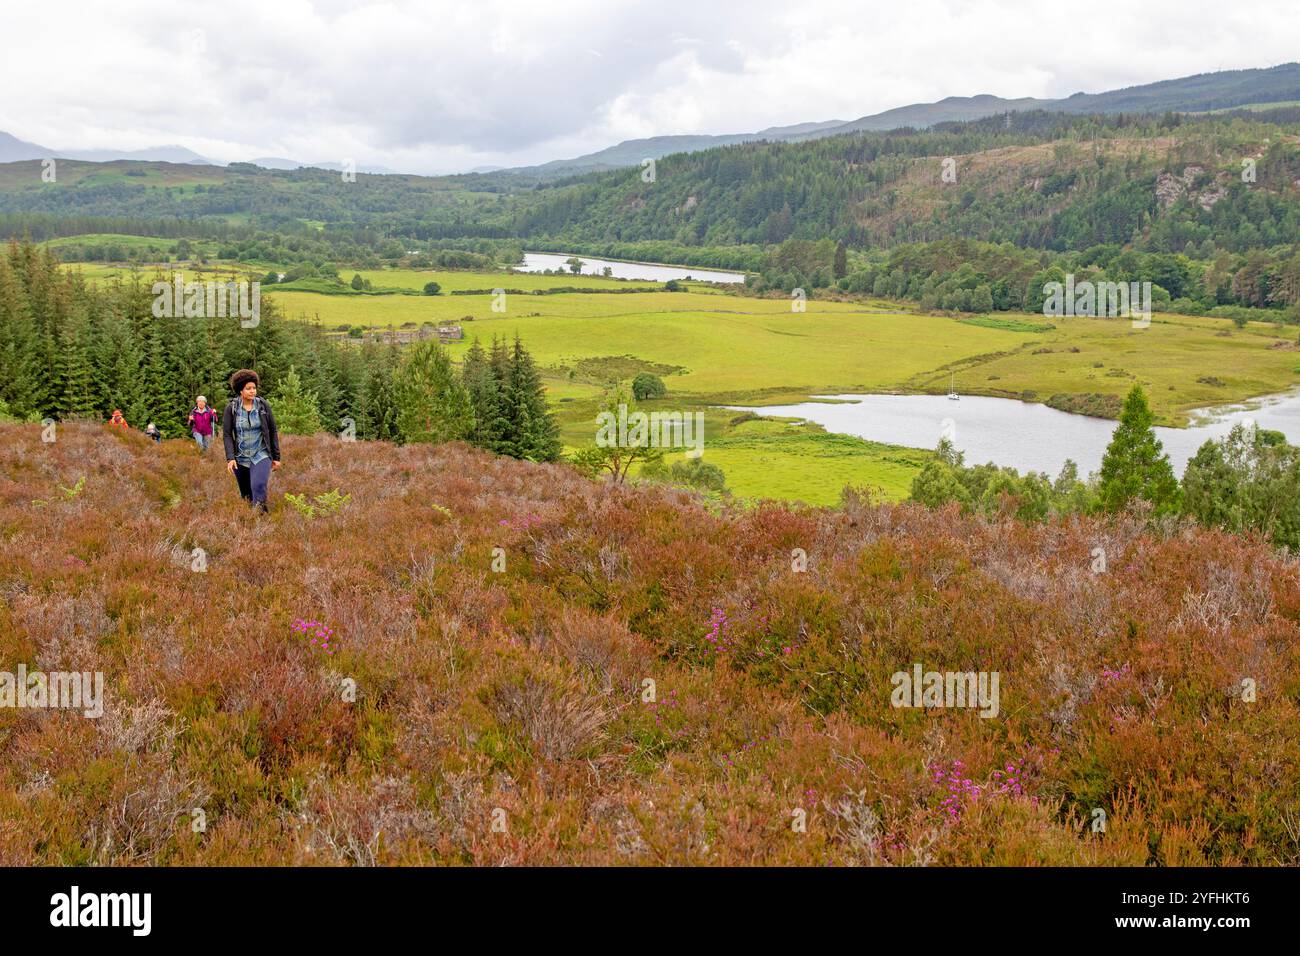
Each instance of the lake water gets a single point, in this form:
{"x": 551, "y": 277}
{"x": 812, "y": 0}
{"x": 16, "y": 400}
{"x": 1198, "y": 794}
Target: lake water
{"x": 1024, "y": 435}
{"x": 541, "y": 261}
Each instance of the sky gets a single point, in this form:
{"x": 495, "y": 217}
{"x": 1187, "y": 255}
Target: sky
{"x": 437, "y": 87}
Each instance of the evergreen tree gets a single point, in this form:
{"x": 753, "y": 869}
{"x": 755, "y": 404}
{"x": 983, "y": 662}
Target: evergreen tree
{"x": 158, "y": 387}
{"x": 199, "y": 371}
{"x": 296, "y": 410}
{"x": 1134, "y": 466}
{"x": 432, "y": 405}
{"x": 485, "y": 396}
{"x": 19, "y": 362}
{"x": 376, "y": 406}
{"x": 118, "y": 365}
{"x": 506, "y": 432}
{"x": 535, "y": 430}
{"x": 79, "y": 398}
{"x": 323, "y": 375}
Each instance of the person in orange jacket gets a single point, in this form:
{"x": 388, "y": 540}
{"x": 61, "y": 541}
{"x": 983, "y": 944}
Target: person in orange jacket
{"x": 117, "y": 421}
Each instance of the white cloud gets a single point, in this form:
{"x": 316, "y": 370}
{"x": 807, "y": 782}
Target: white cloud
{"x": 442, "y": 86}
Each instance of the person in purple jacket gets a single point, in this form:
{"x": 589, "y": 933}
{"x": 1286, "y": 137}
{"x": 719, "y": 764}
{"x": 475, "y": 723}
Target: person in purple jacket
{"x": 202, "y": 420}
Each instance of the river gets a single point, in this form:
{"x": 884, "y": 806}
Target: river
{"x": 1023, "y": 435}
{"x": 541, "y": 261}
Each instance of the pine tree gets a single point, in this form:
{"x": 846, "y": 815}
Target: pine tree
{"x": 77, "y": 378}
{"x": 538, "y": 432}
{"x": 377, "y": 408}
{"x": 296, "y": 410}
{"x": 317, "y": 370}
{"x": 198, "y": 372}
{"x": 485, "y": 396}
{"x": 432, "y": 404}
{"x": 119, "y": 364}
{"x": 1134, "y": 466}
{"x": 347, "y": 371}
{"x": 507, "y": 437}
{"x": 19, "y": 366}
{"x": 158, "y": 389}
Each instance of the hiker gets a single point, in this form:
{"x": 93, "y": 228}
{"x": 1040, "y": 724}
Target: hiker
{"x": 117, "y": 421}
{"x": 201, "y": 421}
{"x": 251, "y": 439}
{"x": 152, "y": 431}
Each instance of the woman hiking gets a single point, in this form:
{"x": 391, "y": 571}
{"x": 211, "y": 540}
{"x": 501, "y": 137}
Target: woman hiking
{"x": 252, "y": 441}
{"x": 201, "y": 421}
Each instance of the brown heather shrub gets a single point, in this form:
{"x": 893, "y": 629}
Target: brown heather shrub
{"x": 647, "y": 682}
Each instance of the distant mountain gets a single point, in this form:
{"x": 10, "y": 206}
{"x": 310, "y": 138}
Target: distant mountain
{"x": 633, "y": 152}
{"x": 14, "y": 150}
{"x": 276, "y": 162}
{"x": 799, "y": 129}
{"x": 953, "y": 109}
{"x": 1199, "y": 93}
{"x": 157, "y": 154}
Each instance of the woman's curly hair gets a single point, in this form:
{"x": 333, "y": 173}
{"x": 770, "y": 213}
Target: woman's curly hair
{"x": 242, "y": 378}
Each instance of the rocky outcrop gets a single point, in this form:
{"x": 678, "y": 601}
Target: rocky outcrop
{"x": 1170, "y": 188}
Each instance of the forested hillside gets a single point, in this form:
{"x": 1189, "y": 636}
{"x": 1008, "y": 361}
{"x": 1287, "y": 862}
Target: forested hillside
{"x": 1035, "y": 179}
{"x": 1038, "y": 180}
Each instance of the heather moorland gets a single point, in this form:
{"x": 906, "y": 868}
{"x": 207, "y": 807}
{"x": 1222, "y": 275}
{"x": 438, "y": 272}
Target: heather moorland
{"x": 639, "y": 675}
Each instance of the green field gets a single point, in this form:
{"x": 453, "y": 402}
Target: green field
{"x": 780, "y": 458}
{"x": 713, "y": 347}
{"x": 741, "y": 349}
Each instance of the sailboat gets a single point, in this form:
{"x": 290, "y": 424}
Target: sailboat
{"x": 952, "y": 391}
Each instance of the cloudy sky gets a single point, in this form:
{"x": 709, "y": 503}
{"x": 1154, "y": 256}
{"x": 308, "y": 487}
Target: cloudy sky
{"x": 433, "y": 86}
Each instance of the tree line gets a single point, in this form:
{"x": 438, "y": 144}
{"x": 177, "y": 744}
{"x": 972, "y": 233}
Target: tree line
{"x": 73, "y": 350}
{"x": 1096, "y": 183}
{"x": 971, "y": 276}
